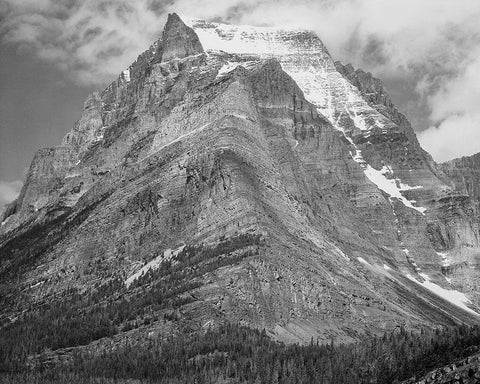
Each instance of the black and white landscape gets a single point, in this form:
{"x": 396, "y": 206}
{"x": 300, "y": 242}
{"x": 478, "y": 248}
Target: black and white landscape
{"x": 238, "y": 206}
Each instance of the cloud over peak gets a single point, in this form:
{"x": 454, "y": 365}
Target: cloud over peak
{"x": 433, "y": 46}
{"x": 89, "y": 40}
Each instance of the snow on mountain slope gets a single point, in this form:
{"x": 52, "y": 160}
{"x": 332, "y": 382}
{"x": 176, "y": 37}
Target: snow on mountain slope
{"x": 455, "y": 297}
{"x": 153, "y": 264}
{"x": 304, "y": 57}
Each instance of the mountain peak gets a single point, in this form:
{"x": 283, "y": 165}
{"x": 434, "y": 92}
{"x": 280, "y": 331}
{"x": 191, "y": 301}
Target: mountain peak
{"x": 236, "y": 173}
{"x": 179, "y": 40}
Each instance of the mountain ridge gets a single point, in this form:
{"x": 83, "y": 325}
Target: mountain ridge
{"x": 344, "y": 217}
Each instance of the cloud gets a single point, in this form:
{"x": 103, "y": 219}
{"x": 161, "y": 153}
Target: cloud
{"x": 90, "y": 40}
{"x": 455, "y": 112}
{"x": 430, "y": 45}
{"x": 9, "y": 191}
{"x": 455, "y": 137}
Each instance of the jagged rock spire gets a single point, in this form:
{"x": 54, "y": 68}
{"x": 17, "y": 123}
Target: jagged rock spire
{"x": 178, "y": 40}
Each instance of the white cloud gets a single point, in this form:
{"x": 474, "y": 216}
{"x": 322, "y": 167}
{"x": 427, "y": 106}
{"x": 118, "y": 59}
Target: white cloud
{"x": 9, "y": 191}
{"x": 91, "y": 40}
{"x": 434, "y": 42}
{"x": 460, "y": 94}
{"x": 456, "y": 136}
{"x": 455, "y": 112}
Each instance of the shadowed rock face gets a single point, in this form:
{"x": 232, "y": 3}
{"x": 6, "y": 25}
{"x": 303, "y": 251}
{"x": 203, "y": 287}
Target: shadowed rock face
{"x": 178, "y": 40}
{"x": 272, "y": 142}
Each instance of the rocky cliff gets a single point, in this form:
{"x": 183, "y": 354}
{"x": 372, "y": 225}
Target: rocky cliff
{"x": 463, "y": 205}
{"x": 264, "y": 183}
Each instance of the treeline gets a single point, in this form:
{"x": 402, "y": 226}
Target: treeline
{"x": 110, "y": 308}
{"x": 237, "y": 354}
{"x": 228, "y": 354}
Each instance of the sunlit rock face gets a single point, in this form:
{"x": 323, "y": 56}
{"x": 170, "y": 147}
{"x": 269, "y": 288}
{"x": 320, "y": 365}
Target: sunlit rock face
{"x": 220, "y": 131}
{"x": 382, "y": 142}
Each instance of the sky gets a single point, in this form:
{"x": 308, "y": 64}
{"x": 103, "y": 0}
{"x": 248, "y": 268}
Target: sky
{"x": 53, "y": 53}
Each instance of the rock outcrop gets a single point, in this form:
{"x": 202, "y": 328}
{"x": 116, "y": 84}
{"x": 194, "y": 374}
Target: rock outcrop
{"x": 178, "y": 40}
{"x": 466, "y": 371}
{"x": 373, "y": 90}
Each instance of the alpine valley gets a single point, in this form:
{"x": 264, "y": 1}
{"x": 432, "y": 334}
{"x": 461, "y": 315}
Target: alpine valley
{"x": 237, "y": 186}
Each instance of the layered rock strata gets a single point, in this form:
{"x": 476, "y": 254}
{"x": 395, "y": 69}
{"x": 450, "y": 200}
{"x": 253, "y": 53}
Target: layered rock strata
{"x": 220, "y": 131}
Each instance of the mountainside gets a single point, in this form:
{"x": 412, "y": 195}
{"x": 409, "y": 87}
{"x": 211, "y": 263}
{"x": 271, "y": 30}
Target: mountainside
{"x": 239, "y": 174}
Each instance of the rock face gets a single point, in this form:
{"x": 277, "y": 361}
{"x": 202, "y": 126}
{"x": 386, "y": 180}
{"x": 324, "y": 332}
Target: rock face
{"x": 460, "y": 215}
{"x": 374, "y": 92}
{"x": 218, "y": 133}
{"x": 465, "y": 173}
{"x": 178, "y": 40}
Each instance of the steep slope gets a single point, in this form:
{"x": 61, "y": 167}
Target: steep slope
{"x": 465, "y": 173}
{"x": 254, "y": 180}
{"x": 461, "y": 267}
{"x": 383, "y": 141}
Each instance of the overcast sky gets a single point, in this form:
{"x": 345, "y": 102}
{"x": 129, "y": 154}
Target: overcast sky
{"x": 54, "y": 52}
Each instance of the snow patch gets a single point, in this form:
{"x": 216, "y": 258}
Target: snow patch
{"x": 153, "y": 264}
{"x": 386, "y": 267}
{"x": 241, "y": 39}
{"x": 362, "y": 260}
{"x": 126, "y": 75}
{"x": 227, "y": 67}
{"x": 392, "y": 186}
{"x": 412, "y": 261}
{"x": 192, "y": 132}
{"x": 72, "y": 175}
{"x": 445, "y": 260}
{"x": 342, "y": 253}
{"x": 424, "y": 276}
{"x": 154, "y": 47}
{"x": 358, "y": 121}
{"x": 455, "y": 297}
{"x": 231, "y": 65}
{"x": 37, "y": 284}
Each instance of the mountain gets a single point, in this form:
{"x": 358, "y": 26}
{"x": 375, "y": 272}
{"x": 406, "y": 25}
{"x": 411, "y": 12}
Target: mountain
{"x": 238, "y": 174}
